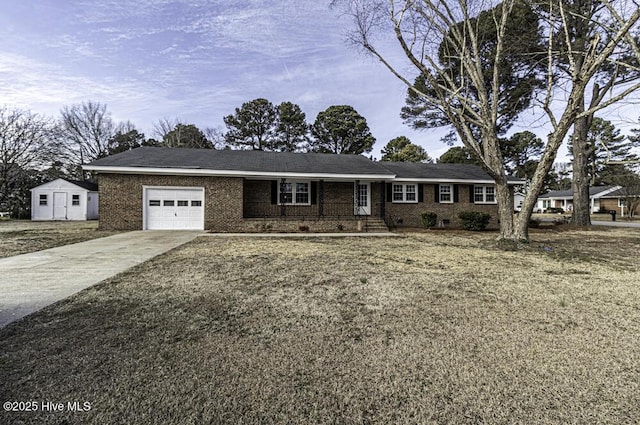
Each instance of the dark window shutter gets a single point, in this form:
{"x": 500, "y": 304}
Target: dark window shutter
{"x": 455, "y": 193}
{"x": 436, "y": 190}
{"x": 274, "y": 192}
{"x": 420, "y": 192}
{"x": 389, "y": 192}
{"x": 472, "y": 194}
{"x": 314, "y": 193}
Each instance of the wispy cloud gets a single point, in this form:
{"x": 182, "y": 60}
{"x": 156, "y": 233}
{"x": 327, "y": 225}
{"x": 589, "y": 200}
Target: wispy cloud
{"x": 193, "y": 59}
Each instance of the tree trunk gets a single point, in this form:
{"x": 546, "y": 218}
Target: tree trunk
{"x": 580, "y": 183}
{"x": 504, "y": 197}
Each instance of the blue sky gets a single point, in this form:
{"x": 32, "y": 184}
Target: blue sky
{"x": 195, "y": 60}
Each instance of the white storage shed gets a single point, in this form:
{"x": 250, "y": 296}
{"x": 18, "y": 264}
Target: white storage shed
{"x": 63, "y": 199}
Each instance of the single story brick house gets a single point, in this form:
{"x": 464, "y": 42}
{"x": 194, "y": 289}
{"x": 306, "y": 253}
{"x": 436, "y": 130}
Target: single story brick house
{"x": 601, "y": 198}
{"x": 253, "y": 191}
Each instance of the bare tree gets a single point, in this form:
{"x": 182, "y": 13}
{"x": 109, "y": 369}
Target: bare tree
{"x": 215, "y": 137}
{"x": 580, "y": 27}
{"x": 164, "y": 126}
{"x": 26, "y": 144}
{"x": 470, "y": 104}
{"x": 629, "y": 181}
{"x": 86, "y": 129}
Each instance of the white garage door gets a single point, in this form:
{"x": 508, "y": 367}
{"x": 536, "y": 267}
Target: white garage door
{"x": 176, "y": 209}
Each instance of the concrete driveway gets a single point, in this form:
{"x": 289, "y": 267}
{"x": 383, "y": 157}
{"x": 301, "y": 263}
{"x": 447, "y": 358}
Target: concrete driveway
{"x": 620, "y": 223}
{"x": 30, "y": 282}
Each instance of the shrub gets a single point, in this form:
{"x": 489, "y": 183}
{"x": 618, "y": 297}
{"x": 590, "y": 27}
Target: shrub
{"x": 554, "y": 211}
{"x": 429, "y": 219}
{"x": 303, "y": 228}
{"x": 473, "y": 220}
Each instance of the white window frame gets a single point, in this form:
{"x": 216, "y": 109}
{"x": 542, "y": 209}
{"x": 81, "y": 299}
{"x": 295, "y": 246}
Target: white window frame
{"x": 294, "y": 192}
{"x": 75, "y": 200}
{"x": 484, "y": 194}
{"x": 450, "y": 193}
{"x": 404, "y": 191}
{"x": 43, "y": 199}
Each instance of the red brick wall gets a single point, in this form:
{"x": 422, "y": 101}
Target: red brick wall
{"x": 410, "y": 213}
{"x": 227, "y": 197}
{"x": 338, "y": 201}
{"x": 610, "y": 204}
{"x": 121, "y": 199}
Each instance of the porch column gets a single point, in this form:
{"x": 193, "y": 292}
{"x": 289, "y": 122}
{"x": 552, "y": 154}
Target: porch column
{"x": 321, "y": 198}
{"x": 357, "y": 197}
{"x": 383, "y": 205}
{"x": 281, "y": 197}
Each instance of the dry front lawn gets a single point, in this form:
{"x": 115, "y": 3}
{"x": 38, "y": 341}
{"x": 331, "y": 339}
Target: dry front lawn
{"x": 436, "y": 327}
{"x": 24, "y": 236}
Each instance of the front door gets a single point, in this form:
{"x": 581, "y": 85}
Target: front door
{"x": 59, "y": 206}
{"x": 362, "y": 199}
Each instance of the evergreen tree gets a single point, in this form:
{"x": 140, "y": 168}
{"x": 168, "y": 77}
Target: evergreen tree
{"x": 252, "y": 126}
{"x": 340, "y": 129}
{"x": 186, "y": 136}
{"x": 292, "y": 130}
{"x": 605, "y": 144}
{"x": 401, "y": 149}
{"x": 458, "y": 155}
{"x": 521, "y": 153}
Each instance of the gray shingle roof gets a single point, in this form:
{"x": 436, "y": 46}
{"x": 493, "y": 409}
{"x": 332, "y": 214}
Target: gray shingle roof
{"x": 85, "y": 185}
{"x": 453, "y": 172}
{"x": 593, "y": 190}
{"x": 286, "y": 162}
{"x": 249, "y": 161}
{"x": 621, "y": 193}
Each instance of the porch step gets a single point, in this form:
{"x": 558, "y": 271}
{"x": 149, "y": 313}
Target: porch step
{"x": 375, "y": 225}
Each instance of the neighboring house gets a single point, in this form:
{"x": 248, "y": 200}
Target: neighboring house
{"x": 227, "y": 190}
{"x": 63, "y": 199}
{"x": 601, "y": 198}
{"x": 518, "y": 199}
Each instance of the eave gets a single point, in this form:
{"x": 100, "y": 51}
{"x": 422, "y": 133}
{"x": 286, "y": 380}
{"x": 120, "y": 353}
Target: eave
{"x": 234, "y": 173}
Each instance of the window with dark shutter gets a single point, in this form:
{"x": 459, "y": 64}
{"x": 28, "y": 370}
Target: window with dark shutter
{"x": 274, "y": 192}
{"x": 314, "y": 193}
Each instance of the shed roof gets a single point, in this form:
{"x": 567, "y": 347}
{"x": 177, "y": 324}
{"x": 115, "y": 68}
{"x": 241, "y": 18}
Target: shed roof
{"x": 90, "y": 186}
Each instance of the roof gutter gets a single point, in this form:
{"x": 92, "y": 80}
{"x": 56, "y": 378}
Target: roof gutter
{"x": 447, "y": 180}
{"x": 233, "y": 173}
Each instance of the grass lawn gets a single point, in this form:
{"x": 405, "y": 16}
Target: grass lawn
{"x": 23, "y": 236}
{"x": 434, "y": 327}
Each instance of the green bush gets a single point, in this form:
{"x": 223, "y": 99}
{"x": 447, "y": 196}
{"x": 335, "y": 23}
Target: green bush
{"x": 473, "y": 220}
{"x": 429, "y": 219}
